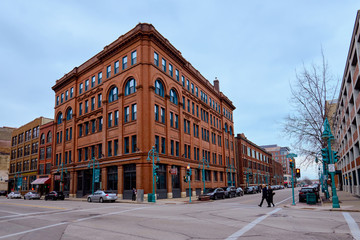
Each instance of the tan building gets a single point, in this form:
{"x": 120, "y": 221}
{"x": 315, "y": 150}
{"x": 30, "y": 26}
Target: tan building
{"x": 24, "y": 155}
{"x": 279, "y": 155}
{"x": 5, "y": 149}
{"x": 255, "y": 165}
{"x": 137, "y": 93}
{"x": 347, "y": 120}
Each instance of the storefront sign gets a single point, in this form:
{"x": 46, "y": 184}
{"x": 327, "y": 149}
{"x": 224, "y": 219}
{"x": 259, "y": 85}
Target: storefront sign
{"x": 173, "y": 171}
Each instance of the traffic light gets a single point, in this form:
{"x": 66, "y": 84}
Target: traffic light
{"x": 186, "y": 178}
{"x": 336, "y": 156}
{"x": 291, "y": 163}
{"x": 298, "y": 173}
{"x": 325, "y": 155}
{"x": 188, "y": 170}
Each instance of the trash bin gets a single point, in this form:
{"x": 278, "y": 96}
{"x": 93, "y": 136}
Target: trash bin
{"x": 311, "y": 198}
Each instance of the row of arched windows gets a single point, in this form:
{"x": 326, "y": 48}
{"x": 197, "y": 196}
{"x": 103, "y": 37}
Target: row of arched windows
{"x": 48, "y": 138}
{"x": 130, "y": 88}
{"x": 230, "y": 129}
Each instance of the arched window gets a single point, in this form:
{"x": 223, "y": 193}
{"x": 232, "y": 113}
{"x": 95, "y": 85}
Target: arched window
{"x": 59, "y": 118}
{"x": 173, "y": 97}
{"x": 113, "y": 95}
{"x": 159, "y": 88}
{"x": 226, "y": 127}
{"x": 42, "y": 139}
{"x": 49, "y": 137}
{"x": 231, "y": 130}
{"x": 69, "y": 114}
{"x": 130, "y": 87}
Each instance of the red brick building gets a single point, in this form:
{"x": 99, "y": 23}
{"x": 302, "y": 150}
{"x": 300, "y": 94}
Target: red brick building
{"x": 24, "y": 155}
{"x": 137, "y": 93}
{"x": 43, "y": 181}
{"x": 255, "y": 164}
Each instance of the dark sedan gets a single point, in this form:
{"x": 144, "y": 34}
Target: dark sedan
{"x": 250, "y": 189}
{"x": 230, "y": 191}
{"x": 54, "y": 195}
{"x": 215, "y": 193}
{"x": 305, "y": 190}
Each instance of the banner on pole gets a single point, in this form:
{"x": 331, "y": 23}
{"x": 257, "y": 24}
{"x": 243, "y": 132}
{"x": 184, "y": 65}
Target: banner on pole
{"x": 97, "y": 174}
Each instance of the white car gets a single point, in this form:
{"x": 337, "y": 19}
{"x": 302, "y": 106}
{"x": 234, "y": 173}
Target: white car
{"x": 14, "y": 195}
{"x": 31, "y": 195}
{"x": 102, "y": 196}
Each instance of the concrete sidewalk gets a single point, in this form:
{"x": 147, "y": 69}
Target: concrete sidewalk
{"x": 347, "y": 201}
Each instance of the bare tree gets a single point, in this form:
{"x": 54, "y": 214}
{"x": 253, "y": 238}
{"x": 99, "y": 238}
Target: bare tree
{"x": 313, "y": 86}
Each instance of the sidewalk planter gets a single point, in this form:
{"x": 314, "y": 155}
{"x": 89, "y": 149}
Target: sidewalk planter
{"x": 311, "y": 198}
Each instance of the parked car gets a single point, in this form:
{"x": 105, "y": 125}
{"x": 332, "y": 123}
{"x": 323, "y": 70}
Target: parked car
{"x": 54, "y": 195}
{"x": 215, "y": 193}
{"x": 31, "y": 195}
{"x": 3, "y": 192}
{"x": 239, "y": 191}
{"x": 303, "y": 191}
{"x": 250, "y": 189}
{"x": 102, "y": 196}
{"x": 15, "y": 194}
{"x": 229, "y": 191}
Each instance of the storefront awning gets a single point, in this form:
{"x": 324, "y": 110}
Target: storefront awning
{"x": 41, "y": 181}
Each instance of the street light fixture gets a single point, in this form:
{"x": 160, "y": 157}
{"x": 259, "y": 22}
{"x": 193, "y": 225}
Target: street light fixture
{"x": 231, "y": 170}
{"x": 61, "y": 174}
{"x": 327, "y": 135}
{"x": 96, "y": 171}
{"x": 155, "y": 157}
{"x": 204, "y": 162}
{"x": 292, "y": 164}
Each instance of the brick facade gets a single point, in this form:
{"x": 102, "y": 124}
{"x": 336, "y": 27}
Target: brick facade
{"x": 137, "y": 93}
{"x": 255, "y": 164}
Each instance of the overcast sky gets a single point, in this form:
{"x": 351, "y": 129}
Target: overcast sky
{"x": 252, "y": 47}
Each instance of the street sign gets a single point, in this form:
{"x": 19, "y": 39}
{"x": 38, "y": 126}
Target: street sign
{"x": 57, "y": 177}
{"x": 173, "y": 171}
{"x": 97, "y": 174}
{"x": 331, "y": 167}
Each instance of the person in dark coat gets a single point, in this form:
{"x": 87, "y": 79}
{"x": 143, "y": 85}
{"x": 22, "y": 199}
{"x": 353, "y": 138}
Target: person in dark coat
{"x": 264, "y": 196}
{"x": 134, "y": 194}
{"x": 270, "y": 195}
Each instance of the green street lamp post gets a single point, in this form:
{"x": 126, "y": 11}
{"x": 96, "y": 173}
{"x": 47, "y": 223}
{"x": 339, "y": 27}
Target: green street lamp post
{"x": 61, "y": 176}
{"x": 154, "y": 157}
{"x": 292, "y": 156}
{"x": 247, "y": 172}
{"x": 16, "y": 180}
{"x": 96, "y": 171}
{"x": 204, "y": 163}
{"x": 230, "y": 170}
{"x": 327, "y": 135}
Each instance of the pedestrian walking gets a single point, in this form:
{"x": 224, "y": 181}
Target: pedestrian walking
{"x": 270, "y": 197}
{"x": 264, "y": 196}
{"x": 134, "y": 194}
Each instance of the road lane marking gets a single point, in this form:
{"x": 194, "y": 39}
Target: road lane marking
{"x": 14, "y": 213}
{"x": 251, "y": 225}
{"x": 67, "y": 222}
{"x": 284, "y": 200}
{"x": 354, "y": 228}
{"x": 27, "y": 205}
{"x": 15, "y": 217}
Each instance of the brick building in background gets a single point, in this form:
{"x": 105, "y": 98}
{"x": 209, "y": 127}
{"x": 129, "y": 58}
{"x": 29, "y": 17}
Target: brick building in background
{"x": 5, "y": 149}
{"x": 137, "y": 93}
{"x": 347, "y": 118}
{"x": 45, "y": 158}
{"x": 279, "y": 155}
{"x": 24, "y": 154}
{"x": 255, "y": 165}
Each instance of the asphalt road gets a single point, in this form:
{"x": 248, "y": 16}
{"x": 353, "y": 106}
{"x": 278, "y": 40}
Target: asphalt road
{"x": 235, "y": 218}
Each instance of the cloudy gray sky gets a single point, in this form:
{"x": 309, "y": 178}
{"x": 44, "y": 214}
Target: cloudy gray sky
{"x": 252, "y": 47}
